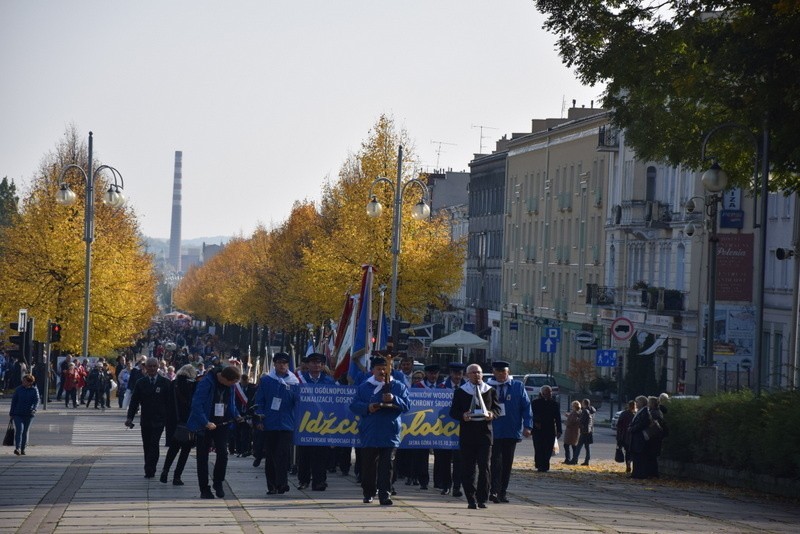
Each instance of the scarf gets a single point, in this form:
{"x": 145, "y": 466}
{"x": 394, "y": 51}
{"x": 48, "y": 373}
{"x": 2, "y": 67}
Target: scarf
{"x": 288, "y": 380}
{"x": 469, "y": 387}
{"x": 378, "y": 385}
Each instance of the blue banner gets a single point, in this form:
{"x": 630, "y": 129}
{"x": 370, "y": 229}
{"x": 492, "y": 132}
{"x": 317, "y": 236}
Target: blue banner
{"x": 323, "y": 418}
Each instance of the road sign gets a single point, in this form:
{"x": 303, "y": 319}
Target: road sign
{"x": 585, "y": 338}
{"x": 22, "y": 319}
{"x": 513, "y": 325}
{"x": 548, "y": 345}
{"x": 606, "y": 358}
{"x": 622, "y": 329}
{"x": 553, "y": 333}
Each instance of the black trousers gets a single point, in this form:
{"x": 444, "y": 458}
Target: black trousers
{"x": 218, "y": 438}
{"x": 472, "y": 456}
{"x": 446, "y": 468}
{"x": 277, "y": 457}
{"x": 419, "y": 465}
{"x": 151, "y": 437}
{"x": 502, "y": 460}
{"x": 312, "y": 465}
{"x": 172, "y": 452}
{"x": 343, "y": 458}
{"x": 258, "y": 444}
{"x": 376, "y": 471}
{"x": 542, "y": 450}
{"x": 402, "y": 464}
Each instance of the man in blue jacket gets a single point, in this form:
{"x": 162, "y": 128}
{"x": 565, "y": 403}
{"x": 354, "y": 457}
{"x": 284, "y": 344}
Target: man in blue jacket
{"x": 513, "y": 423}
{"x": 312, "y": 461}
{"x": 212, "y": 414}
{"x": 275, "y": 400}
{"x": 379, "y": 404}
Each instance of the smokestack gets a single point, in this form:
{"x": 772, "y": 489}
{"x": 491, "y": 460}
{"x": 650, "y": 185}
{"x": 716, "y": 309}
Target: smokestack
{"x": 175, "y": 228}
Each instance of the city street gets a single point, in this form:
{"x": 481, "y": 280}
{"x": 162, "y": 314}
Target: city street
{"x": 83, "y": 472}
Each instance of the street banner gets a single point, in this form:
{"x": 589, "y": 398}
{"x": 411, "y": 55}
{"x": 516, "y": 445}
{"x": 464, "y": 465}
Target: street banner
{"x": 323, "y": 418}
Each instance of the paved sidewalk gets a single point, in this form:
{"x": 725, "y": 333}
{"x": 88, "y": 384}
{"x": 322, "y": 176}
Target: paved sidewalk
{"x": 101, "y": 489}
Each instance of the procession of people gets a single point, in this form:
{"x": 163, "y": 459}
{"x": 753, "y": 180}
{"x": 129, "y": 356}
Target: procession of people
{"x": 209, "y": 405}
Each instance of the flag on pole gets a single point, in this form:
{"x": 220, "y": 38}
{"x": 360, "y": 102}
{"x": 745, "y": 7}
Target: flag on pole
{"x": 342, "y": 353}
{"x": 310, "y": 347}
{"x": 382, "y": 336}
{"x": 362, "y": 339}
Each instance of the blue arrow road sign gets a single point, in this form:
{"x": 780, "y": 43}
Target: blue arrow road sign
{"x": 606, "y": 358}
{"x": 548, "y": 345}
{"x": 553, "y": 332}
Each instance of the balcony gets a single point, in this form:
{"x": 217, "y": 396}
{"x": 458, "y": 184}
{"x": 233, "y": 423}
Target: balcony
{"x": 662, "y": 300}
{"x": 597, "y": 295}
{"x": 608, "y": 139}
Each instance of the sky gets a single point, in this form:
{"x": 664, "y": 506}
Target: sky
{"x": 266, "y": 99}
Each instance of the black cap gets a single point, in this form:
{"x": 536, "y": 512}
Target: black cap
{"x": 500, "y": 365}
{"x": 378, "y": 360}
{"x": 431, "y": 368}
{"x": 316, "y": 357}
{"x": 280, "y": 357}
{"x": 456, "y": 366}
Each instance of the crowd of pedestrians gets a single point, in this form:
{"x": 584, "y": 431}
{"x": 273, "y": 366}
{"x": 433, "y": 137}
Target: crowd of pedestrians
{"x": 187, "y": 390}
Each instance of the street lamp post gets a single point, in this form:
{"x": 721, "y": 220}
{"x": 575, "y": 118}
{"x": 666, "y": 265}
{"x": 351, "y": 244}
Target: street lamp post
{"x": 420, "y": 211}
{"x": 66, "y": 197}
{"x": 716, "y": 174}
{"x": 714, "y": 181}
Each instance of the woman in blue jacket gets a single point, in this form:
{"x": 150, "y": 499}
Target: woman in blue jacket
{"x": 23, "y": 408}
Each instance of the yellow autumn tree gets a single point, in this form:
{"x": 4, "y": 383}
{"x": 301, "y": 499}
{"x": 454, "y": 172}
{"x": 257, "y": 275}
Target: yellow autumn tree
{"x": 430, "y": 263}
{"x": 42, "y": 260}
{"x": 299, "y": 271}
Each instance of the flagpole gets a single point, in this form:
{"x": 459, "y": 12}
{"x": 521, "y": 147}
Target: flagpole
{"x": 379, "y": 335}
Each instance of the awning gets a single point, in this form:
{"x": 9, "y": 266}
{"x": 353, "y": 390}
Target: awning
{"x": 655, "y": 346}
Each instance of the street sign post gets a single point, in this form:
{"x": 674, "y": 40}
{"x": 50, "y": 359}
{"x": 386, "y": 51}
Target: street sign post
{"x": 606, "y": 358}
{"x": 548, "y": 345}
{"x": 622, "y": 329}
{"x": 553, "y": 332}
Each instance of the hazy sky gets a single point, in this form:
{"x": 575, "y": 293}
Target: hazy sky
{"x": 266, "y": 98}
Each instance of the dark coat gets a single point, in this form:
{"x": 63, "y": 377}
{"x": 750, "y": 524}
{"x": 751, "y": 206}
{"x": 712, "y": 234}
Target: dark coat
{"x": 640, "y": 423}
{"x": 472, "y": 433}
{"x": 546, "y": 418}
{"x": 155, "y": 400}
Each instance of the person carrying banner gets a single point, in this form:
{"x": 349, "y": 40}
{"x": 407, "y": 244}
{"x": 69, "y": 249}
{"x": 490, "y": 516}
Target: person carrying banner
{"x": 275, "y": 400}
{"x": 475, "y": 406}
{"x": 312, "y": 462}
{"x": 447, "y": 462}
{"x": 508, "y": 429}
{"x": 379, "y": 401}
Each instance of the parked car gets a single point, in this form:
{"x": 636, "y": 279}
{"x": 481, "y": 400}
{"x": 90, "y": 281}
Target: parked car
{"x": 533, "y": 384}
{"x": 615, "y": 419}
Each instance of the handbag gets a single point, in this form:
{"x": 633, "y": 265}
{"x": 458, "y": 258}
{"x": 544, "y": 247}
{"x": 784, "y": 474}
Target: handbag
{"x": 182, "y": 434}
{"x": 555, "y": 446}
{"x": 8, "y": 440}
{"x": 619, "y": 456}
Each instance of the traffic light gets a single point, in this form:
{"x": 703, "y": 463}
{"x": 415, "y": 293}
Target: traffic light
{"x": 400, "y": 335}
{"x": 18, "y": 340}
{"x": 55, "y": 333}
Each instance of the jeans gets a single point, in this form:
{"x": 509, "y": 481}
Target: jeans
{"x": 22, "y": 426}
{"x": 584, "y": 441}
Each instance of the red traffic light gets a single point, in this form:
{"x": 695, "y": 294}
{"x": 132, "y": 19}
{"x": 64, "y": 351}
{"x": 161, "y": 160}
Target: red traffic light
{"x": 55, "y": 333}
